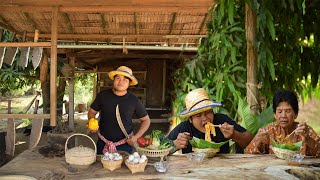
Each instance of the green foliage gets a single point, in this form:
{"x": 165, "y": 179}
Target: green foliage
{"x": 293, "y": 147}
{"x": 220, "y": 65}
{"x": 287, "y": 47}
{"x": 13, "y": 78}
{"x": 83, "y": 88}
{"x": 253, "y": 122}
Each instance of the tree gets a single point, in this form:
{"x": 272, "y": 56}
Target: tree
{"x": 287, "y": 38}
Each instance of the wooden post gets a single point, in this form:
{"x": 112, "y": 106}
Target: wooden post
{"x": 53, "y": 67}
{"x": 11, "y": 133}
{"x": 252, "y": 90}
{"x": 164, "y": 77}
{"x": 71, "y": 95}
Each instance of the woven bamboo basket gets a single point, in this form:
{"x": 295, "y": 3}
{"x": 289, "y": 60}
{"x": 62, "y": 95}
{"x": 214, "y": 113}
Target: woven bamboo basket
{"x": 135, "y": 168}
{"x": 80, "y": 155}
{"x": 111, "y": 165}
{"x": 210, "y": 152}
{"x": 283, "y": 153}
{"x": 153, "y": 153}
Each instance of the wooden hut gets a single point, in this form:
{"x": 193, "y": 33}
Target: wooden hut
{"x": 151, "y": 37}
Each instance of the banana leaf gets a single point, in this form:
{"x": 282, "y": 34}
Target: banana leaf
{"x": 203, "y": 144}
{"x": 293, "y": 147}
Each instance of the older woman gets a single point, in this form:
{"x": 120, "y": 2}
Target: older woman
{"x": 285, "y": 108}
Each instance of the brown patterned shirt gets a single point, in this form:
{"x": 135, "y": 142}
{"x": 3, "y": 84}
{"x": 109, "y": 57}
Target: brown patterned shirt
{"x": 275, "y": 130}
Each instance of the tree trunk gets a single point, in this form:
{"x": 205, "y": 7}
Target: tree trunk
{"x": 252, "y": 90}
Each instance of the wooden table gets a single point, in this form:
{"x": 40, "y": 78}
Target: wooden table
{"x": 223, "y": 166}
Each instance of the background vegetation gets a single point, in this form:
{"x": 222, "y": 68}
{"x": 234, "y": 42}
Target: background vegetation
{"x": 288, "y": 55}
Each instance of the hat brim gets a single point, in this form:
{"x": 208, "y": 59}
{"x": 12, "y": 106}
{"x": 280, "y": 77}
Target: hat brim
{"x": 133, "y": 81}
{"x": 185, "y": 114}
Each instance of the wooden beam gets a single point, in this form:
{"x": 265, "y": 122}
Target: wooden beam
{"x": 68, "y": 23}
{"x": 25, "y": 44}
{"x": 29, "y": 19}
{"x": 53, "y": 67}
{"x": 107, "y": 9}
{"x": 24, "y": 116}
{"x": 103, "y": 23}
{"x": 132, "y": 55}
{"x": 112, "y": 36}
{"x": 137, "y": 24}
{"x": 155, "y": 3}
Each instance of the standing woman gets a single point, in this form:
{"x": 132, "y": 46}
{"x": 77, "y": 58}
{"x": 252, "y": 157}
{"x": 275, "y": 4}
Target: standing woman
{"x": 285, "y": 109}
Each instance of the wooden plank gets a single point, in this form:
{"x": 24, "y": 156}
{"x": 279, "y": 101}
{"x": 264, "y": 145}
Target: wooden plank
{"x": 107, "y": 9}
{"x": 11, "y": 133}
{"x": 223, "y": 166}
{"x": 123, "y": 3}
{"x": 24, "y": 116}
{"x": 10, "y": 137}
{"x": 25, "y": 44}
{"x": 71, "y": 95}
{"x": 112, "y": 36}
{"x": 53, "y": 67}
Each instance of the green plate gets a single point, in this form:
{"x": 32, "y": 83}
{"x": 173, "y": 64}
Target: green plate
{"x": 203, "y": 144}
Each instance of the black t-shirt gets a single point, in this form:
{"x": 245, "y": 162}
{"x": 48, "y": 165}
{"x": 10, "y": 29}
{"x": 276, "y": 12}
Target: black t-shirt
{"x": 129, "y": 105}
{"x": 186, "y": 126}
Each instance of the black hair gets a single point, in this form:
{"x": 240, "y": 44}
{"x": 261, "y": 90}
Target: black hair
{"x": 285, "y": 96}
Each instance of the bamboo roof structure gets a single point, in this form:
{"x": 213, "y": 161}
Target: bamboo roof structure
{"x": 97, "y": 31}
{"x": 141, "y": 26}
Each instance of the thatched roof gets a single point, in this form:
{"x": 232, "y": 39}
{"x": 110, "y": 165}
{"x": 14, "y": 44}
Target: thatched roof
{"x": 137, "y": 24}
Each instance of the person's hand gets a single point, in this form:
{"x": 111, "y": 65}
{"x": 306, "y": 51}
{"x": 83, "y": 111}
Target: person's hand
{"x": 263, "y": 136}
{"x": 132, "y": 140}
{"x": 302, "y": 130}
{"x": 182, "y": 140}
{"x": 227, "y": 130}
{"x": 91, "y": 130}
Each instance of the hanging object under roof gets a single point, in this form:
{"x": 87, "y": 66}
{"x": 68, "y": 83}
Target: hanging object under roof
{"x": 10, "y": 55}
{"x": 36, "y": 56}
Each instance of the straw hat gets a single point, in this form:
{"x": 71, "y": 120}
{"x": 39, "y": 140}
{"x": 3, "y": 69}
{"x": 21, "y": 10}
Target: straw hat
{"x": 197, "y": 101}
{"x": 124, "y": 71}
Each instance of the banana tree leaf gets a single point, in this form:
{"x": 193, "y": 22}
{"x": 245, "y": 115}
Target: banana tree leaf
{"x": 294, "y": 147}
{"x": 203, "y": 144}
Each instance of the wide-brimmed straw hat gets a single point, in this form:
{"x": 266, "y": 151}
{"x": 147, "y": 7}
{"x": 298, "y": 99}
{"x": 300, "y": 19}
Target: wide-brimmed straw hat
{"x": 197, "y": 101}
{"x": 124, "y": 71}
